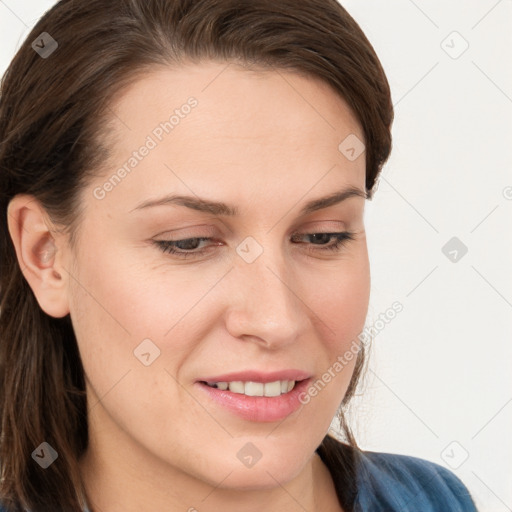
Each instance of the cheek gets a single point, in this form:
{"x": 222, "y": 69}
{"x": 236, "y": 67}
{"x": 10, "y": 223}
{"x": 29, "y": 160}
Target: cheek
{"x": 123, "y": 309}
{"x": 132, "y": 301}
{"x": 119, "y": 315}
{"x": 340, "y": 298}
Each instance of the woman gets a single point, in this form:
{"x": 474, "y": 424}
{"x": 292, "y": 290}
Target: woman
{"x": 185, "y": 270}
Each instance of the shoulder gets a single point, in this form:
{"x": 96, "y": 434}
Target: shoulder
{"x": 393, "y": 482}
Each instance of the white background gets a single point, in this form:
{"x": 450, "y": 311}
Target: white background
{"x": 440, "y": 380}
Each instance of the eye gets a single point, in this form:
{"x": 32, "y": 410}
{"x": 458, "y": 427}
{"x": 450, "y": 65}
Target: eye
{"x": 189, "y": 247}
{"x": 183, "y": 248}
{"x": 322, "y": 240}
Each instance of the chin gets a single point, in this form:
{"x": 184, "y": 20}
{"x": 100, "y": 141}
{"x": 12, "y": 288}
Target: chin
{"x": 261, "y": 478}
{"x": 262, "y": 465}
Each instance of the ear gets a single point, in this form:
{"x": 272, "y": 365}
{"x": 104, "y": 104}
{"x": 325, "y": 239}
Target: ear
{"x": 40, "y": 252}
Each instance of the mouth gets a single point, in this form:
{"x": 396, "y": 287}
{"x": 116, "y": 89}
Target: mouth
{"x": 255, "y": 396}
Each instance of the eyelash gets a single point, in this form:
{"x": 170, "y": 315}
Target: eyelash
{"x": 168, "y": 246}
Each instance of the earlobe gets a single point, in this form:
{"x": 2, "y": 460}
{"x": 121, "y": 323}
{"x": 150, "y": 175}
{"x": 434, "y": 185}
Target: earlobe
{"x": 40, "y": 253}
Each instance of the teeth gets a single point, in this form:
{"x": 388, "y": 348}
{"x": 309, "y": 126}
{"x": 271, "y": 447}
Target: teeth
{"x": 276, "y": 388}
{"x": 237, "y": 387}
{"x": 272, "y": 388}
{"x": 254, "y": 388}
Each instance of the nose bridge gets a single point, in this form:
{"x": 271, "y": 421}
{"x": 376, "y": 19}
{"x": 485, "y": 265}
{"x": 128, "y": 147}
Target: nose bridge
{"x": 265, "y": 304}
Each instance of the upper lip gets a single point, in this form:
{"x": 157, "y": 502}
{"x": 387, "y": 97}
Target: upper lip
{"x": 259, "y": 376}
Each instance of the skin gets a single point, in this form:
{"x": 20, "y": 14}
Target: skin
{"x": 266, "y": 143}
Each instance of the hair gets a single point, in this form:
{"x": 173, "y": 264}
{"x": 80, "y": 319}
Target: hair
{"x": 53, "y": 114}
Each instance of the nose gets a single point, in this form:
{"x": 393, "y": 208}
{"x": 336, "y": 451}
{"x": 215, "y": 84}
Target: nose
{"x": 265, "y": 303}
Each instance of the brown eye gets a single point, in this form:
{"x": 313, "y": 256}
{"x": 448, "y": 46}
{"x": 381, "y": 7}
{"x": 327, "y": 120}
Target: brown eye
{"x": 183, "y": 248}
{"x": 322, "y": 239}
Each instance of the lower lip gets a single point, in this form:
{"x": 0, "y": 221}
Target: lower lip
{"x": 258, "y": 408}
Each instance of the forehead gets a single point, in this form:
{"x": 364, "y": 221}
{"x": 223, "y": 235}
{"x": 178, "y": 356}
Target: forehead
{"x": 216, "y": 126}
{"x": 234, "y": 98}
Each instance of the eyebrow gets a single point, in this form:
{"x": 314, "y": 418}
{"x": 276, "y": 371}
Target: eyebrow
{"x": 220, "y": 208}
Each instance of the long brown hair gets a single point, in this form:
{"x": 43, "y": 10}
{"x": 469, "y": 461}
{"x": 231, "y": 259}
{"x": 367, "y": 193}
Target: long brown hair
{"x": 53, "y": 114}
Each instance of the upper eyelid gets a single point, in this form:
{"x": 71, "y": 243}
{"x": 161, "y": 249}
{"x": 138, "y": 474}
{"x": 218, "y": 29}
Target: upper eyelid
{"x": 294, "y": 233}
{"x": 213, "y": 232}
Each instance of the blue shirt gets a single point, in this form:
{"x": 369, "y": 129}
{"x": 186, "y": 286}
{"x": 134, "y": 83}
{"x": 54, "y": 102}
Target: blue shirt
{"x": 388, "y": 482}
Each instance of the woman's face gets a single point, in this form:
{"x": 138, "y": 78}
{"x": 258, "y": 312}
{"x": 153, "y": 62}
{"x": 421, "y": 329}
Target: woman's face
{"x": 261, "y": 300}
